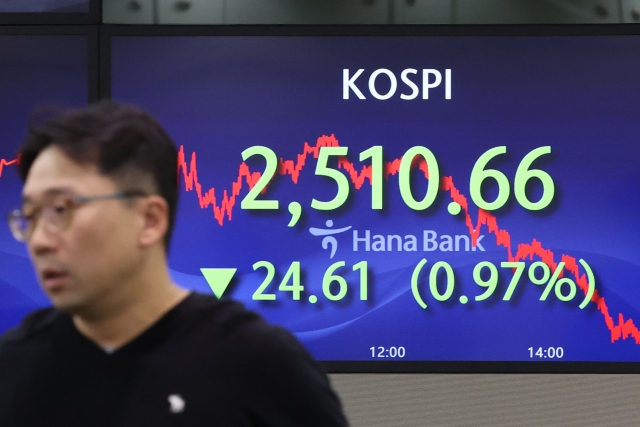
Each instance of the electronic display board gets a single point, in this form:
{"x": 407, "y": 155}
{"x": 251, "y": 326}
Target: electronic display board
{"x": 44, "y": 6}
{"x": 38, "y": 71}
{"x": 49, "y": 12}
{"x": 407, "y": 200}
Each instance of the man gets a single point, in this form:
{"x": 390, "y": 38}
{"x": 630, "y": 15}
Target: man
{"x": 123, "y": 345}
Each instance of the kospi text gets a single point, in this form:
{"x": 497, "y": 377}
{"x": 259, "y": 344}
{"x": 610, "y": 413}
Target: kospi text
{"x": 409, "y": 78}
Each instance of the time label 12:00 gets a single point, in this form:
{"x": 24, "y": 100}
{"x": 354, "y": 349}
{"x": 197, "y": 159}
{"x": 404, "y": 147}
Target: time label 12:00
{"x": 415, "y": 156}
{"x": 390, "y": 352}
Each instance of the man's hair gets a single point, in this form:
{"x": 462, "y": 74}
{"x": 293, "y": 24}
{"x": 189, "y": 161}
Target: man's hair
{"x": 124, "y": 142}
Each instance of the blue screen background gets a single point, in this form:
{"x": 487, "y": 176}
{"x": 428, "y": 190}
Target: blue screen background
{"x": 44, "y": 6}
{"x": 36, "y": 73}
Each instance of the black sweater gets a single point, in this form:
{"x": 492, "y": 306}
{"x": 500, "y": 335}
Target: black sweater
{"x": 205, "y": 363}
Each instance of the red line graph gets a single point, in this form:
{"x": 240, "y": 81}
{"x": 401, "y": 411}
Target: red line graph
{"x": 623, "y": 329}
{"x": 4, "y": 162}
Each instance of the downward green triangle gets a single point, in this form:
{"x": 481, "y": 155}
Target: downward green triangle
{"x": 218, "y": 279}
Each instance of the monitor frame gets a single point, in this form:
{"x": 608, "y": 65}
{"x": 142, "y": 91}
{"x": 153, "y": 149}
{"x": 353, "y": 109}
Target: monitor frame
{"x": 108, "y": 32}
{"x": 93, "y": 16}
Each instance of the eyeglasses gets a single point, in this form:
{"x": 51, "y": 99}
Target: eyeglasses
{"x": 57, "y": 214}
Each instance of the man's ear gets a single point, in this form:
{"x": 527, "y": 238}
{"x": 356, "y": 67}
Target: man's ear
{"x": 154, "y": 212}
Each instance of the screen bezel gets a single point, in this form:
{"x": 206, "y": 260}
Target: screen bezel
{"x": 108, "y": 32}
{"x": 93, "y": 16}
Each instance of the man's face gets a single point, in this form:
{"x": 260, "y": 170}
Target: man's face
{"x": 94, "y": 259}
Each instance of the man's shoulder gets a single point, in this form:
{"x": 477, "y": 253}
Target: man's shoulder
{"x": 33, "y": 325}
{"x": 212, "y": 312}
{"x": 228, "y": 317}
{"x": 241, "y": 328}
{"x": 266, "y": 365}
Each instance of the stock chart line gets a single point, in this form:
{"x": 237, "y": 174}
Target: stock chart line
{"x": 285, "y": 167}
{"x": 4, "y": 162}
{"x": 622, "y": 330}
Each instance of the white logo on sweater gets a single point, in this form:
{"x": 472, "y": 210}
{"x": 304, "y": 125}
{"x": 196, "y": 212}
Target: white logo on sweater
{"x": 177, "y": 403}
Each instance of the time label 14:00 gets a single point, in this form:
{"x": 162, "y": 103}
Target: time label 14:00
{"x": 428, "y": 164}
{"x": 440, "y": 281}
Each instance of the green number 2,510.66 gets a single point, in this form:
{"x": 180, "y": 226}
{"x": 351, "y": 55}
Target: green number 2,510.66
{"x": 479, "y": 174}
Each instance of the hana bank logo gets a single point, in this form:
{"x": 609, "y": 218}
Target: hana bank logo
{"x": 328, "y": 232}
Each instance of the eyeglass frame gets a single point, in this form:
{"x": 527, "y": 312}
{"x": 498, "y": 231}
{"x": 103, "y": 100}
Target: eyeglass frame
{"x": 17, "y": 217}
